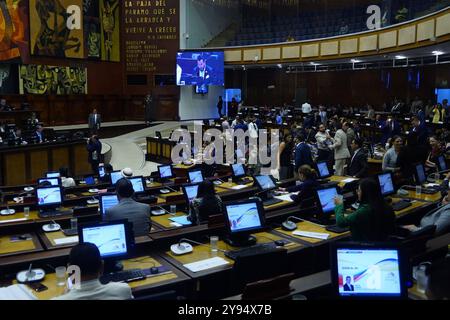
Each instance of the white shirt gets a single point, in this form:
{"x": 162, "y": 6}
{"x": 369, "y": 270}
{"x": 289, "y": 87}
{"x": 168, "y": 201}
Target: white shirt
{"x": 94, "y": 290}
{"x": 306, "y": 108}
{"x": 67, "y": 182}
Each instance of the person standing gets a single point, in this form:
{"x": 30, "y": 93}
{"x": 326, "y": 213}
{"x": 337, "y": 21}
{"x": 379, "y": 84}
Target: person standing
{"x": 324, "y": 141}
{"x": 94, "y": 148}
{"x": 220, "y": 106}
{"x": 286, "y": 151}
{"x": 341, "y": 153}
{"x": 148, "y": 105}
{"x": 95, "y": 122}
{"x": 302, "y": 153}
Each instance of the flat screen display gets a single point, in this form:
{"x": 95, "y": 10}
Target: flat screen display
{"x": 191, "y": 192}
{"x": 49, "y": 196}
{"x": 243, "y": 217}
{"x": 265, "y": 182}
{"x": 101, "y": 171}
{"x": 238, "y": 170}
{"x": 368, "y": 272}
{"x": 233, "y": 93}
{"x": 326, "y": 198}
{"x": 110, "y": 239}
{"x": 420, "y": 174}
{"x": 115, "y": 176}
{"x": 442, "y": 94}
{"x": 442, "y": 163}
{"x": 195, "y": 176}
{"x": 138, "y": 185}
{"x": 200, "y": 68}
{"x": 89, "y": 180}
{"x": 53, "y": 181}
{"x": 53, "y": 175}
{"x": 323, "y": 169}
{"x": 108, "y": 201}
{"x": 202, "y": 89}
{"x": 386, "y": 184}
{"x": 165, "y": 172}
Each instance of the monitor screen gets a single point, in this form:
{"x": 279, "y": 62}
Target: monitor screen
{"x": 244, "y": 217}
{"x": 89, "y": 180}
{"x": 238, "y": 170}
{"x": 116, "y": 176}
{"x": 53, "y": 175}
{"x": 165, "y": 172}
{"x": 442, "y": 163}
{"x": 111, "y": 239}
{"x": 233, "y": 93}
{"x": 200, "y": 68}
{"x": 323, "y": 170}
{"x": 420, "y": 174}
{"x": 202, "y": 89}
{"x": 49, "y": 196}
{"x": 138, "y": 184}
{"x": 386, "y": 184}
{"x": 101, "y": 171}
{"x": 442, "y": 94}
{"x": 53, "y": 181}
{"x": 265, "y": 182}
{"x": 326, "y": 198}
{"x": 195, "y": 176}
{"x": 108, "y": 201}
{"x": 190, "y": 191}
{"x": 368, "y": 272}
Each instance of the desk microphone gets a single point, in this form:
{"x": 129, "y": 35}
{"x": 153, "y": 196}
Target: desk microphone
{"x": 183, "y": 246}
{"x": 289, "y": 225}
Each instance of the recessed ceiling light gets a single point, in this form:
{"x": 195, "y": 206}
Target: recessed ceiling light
{"x": 437, "y": 53}
{"x": 399, "y": 57}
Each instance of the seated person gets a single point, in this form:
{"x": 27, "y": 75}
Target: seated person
{"x": 206, "y": 204}
{"x": 439, "y": 217}
{"x": 39, "y": 134}
{"x": 374, "y": 220}
{"x": 4, "y": 106}
{"x": 66, "y": 181}
{"x": 127, "y": 173}
{"x": 358, "y": 166}
{"x": 107, "y": 177}
{"x": 432, "y": 161}
{"x": 87, "y": 257}
{"x": 306, "y": 189}
{"x": 391, "y": 155}
{"x": 136, "y": 213}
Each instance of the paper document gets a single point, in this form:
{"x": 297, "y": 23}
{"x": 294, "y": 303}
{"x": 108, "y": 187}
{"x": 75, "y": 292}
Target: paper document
{"x": 174, "y": 224}
{"x": 348, "y": 180}
{"x": 13, "y": 220}
{"x": 67, "y": 240}
{"x": 285, "y": 197}
{"x": 181, "y": 220}
{"x": 314, "y": 235}
{"x": 239, "y": 187}
{"x": 16, "y": 292}
{"x": 206, "y": 264}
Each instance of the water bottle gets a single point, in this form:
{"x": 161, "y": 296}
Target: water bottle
{"x": 422, "y": 279}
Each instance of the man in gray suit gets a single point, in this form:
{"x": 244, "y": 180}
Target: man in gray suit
{"x": 341, "y": 153}
{"x": 95, "y": 122}
{"x": 136, "y": 213}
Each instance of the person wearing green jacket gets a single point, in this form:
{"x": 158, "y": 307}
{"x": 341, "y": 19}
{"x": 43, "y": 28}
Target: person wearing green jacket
{"x": 374, "y": 220}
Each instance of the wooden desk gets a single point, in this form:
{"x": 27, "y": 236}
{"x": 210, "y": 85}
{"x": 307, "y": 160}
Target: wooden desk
{"x": 415, "y": 204}
{"x": 164, "y": 223}
{"x": 424, "y": 197}
{"x": 341, "y": 179}
{"x": 172, "y": 277}
{"x": 9, "y": 248}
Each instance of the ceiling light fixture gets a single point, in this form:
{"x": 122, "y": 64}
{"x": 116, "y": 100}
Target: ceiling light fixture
{"x": 437, "y": 53}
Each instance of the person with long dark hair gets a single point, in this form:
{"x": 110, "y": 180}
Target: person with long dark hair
{"x": 374, "y": 220}
{"x": 206, "y": 204}
{"x": 286, "y": 151}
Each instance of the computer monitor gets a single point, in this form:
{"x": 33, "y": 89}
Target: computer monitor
{"x": 386, "y": 183}
{"x": 107, "y": 201}
{"x": 326, "y": 198}
{"x": 419, "y": 175}
{"x": 113, "y": 239}
{"x": 190, "y": 192}
{"x": 322, "y": 168}
{"x": 238, "y": 170}
{"x": 243, "y": 218}
{"x": 53, "y": 174}
{"x": 195, "y": 176}
{"x": 53, "y": 181}
{"x": 368, "y": 271}
{"x": 101, "y": 171}
{"x": 116, "y": 176}
{"x": 265, "y": 183}
{"x": 89, "y": 180}
{"x": 165, "y": 172}
{"x": 138, "y": 184}
{"x": 442, "y": 164}
{"x": 158, "y": 135}
{"x": 48, "y": 197}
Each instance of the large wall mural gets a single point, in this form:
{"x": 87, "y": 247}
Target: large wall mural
{"x": 14, "y": 30}
{"x": 42, "y": 79}
{"x": 50, "y": 35}
{"x": 9, "y": 79}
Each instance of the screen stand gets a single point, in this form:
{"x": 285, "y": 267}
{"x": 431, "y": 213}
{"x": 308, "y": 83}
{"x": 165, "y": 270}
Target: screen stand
{"x": 241, "y": 241}
{"x": 112, "y": 265}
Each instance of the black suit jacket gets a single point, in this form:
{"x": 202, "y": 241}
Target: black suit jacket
{"x": 358, "y": 167}
{"x": 349, "y": 287}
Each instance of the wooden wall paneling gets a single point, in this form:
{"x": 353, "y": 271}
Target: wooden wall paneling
{"x": 14, "y": 169}
{"x": 80, "y": 166}
{"x": 60, "y": 158}
{"x": 39, "y": 163}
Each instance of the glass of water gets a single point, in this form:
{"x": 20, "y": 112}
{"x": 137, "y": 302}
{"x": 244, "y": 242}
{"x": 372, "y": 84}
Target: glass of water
{"x": 150, "y": 180}
{"x": 60, "y": 276}
{"x": 230, "y": 181}
{"x": 214, "y": 242}
{"x": 418, "y": 190}
{"x": 74, "y": 223}
{"x": 26, "y": 212}
{"x": 173, "y": 209}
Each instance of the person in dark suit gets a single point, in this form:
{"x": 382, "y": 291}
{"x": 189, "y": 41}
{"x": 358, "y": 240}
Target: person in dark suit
{"x": 148, "y": 104}
{"x": 94, "y": 148}
{"x": 302, "y": 153}
{"x": 136, "y": 213}
{"x": 307, "y": 187}
{"x": 203, "y": 71}
{"x": 358, "y": 166}
{"x": 39, "y": 134}
{"x": 389, "y": 128}
{"x": 95, "y": 122}
{"x": 348, "y": 284}
{"x": 220, "y": 106}
{"x": 420, "y": 130}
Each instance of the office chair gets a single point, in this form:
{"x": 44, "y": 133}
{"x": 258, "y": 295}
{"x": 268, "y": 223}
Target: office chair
{"x": 160, "y": 296}
{"x": 269, "y": 289}
{"x": 415, "y": 242}
{"x": 252, "y": 268}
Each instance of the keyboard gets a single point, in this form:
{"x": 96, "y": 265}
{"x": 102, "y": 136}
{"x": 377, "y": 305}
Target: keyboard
{"x": 123, "y": 276}
{"x": 271, "y": 202}
{"x": 336, "y": 229}
{"x": 253, "y": 250}
{"x": 70, "y": 232}
{"x": 244, "y": 181}
{"x": 400, "y": 205}
{"x": 55, "y": 213}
